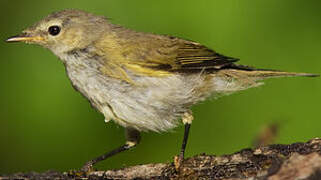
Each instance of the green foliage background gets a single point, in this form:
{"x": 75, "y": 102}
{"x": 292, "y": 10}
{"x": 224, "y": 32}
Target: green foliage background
{"x": 45, "y": 124}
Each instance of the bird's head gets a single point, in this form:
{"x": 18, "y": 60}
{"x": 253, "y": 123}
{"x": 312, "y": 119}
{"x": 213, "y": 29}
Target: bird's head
{"x": 64, "y": 31}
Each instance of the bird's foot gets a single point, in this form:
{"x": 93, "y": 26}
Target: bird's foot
{"x": 88, "y": 167}
{"x": 178, "y": 161}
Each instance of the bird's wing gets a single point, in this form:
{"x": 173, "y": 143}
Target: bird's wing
{"x": 156, "y": 55}
{"x": 194, "y": 56}
{"x": 174, "y": 54}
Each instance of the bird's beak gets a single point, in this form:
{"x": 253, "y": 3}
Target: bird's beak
{"x": 25, "y": 38}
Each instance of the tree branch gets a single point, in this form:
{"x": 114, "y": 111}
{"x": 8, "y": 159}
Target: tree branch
{"x": 273, "y": 162}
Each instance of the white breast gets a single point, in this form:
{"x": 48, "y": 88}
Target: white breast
{"x": 88, "y": 81}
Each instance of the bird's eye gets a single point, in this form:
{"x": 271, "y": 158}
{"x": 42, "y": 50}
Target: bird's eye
{"x": 54, "y": 30}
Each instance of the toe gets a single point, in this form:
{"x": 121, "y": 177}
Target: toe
{"x": 178, "y": 160}
{"x": 88, "y": 167}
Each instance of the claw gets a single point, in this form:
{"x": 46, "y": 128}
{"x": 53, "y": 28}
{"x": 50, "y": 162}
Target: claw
{"x": 178, "y": 161}
{"x": 88, "y": 167}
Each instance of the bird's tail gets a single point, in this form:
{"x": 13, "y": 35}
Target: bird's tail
{"x": 260, "y": 74}
{"x": 265, "y": 74}
{"x": 239, "y": 77}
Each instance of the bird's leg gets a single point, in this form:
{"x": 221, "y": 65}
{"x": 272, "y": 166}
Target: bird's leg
{"x": 187, "y": 120}
{"x": 132, "y": 137}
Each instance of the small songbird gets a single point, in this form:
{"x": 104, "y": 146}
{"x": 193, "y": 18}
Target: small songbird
{"x": 141, "y": 81}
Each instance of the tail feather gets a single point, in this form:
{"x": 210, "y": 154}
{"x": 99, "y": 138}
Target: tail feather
{"x": 238, "y": 77}
{"x": 264, "y": 74}
{"x": 267, "y": 73}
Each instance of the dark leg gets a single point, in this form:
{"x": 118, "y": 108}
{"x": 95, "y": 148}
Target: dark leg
{"x": 133, "y": 138}
{"x": 187, "y": 120}
{"x": 186, "y": 133}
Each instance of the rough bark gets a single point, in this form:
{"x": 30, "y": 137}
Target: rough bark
{"x": 274, "y": 162}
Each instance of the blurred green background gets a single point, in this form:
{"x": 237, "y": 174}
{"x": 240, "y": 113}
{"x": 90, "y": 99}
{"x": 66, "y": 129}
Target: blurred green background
{"x": 45, "y": 124}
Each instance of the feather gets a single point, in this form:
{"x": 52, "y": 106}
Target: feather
{"x": 155, "y": 55}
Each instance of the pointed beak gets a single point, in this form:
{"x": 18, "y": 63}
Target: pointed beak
{"x": 24, "y": 38}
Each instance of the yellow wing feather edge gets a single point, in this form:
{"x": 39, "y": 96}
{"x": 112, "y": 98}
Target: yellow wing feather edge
{"x": 159, "y": 56}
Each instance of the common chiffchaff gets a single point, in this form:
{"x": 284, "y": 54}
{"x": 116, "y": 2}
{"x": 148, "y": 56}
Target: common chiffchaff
{"x": 142, "y": 81}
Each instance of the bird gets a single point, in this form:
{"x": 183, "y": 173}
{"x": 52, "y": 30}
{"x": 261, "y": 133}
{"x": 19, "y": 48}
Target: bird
{"x": 142, "y": 81}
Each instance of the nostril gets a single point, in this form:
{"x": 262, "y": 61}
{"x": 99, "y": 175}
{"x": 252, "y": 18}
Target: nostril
{"x": 25, "y": 34}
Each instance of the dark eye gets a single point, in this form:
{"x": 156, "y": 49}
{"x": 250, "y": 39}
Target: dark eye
{"x": 54, "y": 30}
